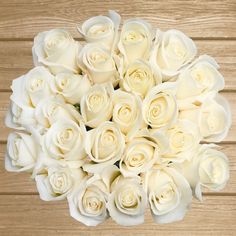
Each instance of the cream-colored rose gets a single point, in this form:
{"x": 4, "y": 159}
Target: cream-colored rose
{"x": 71, "y": 86}
{"x": 139, "y": 77}
{"x": 127, "y": 112}
{"x": 30, "y": 88}
{"x": 21, "y": 153}
{"x": 127, "y": 201}
{"x": 184, "y": 138}
{"x": 104, "y": 146}
{"x": 199, "y": 79}
{"x": 98, "y": 62}
{"x": 135, "y": 40}
{"x": 19, "y": 118}
{"x": 49, "y": 111}
{"x": 56, "y": 183}
{"x": 172, "y": 50}
{"x": 208, "y": 168}
{"x": 64, "y": 141}
{"x": 213, "y": 169}
{"x": 102, "y": 29}
{"x": 160, "y": 107}
{"x": 88, "y": 202}
{"x": 96, "y": 105}
{"x": 213, "y": 118}
{"x": 169, "y": 194}
{"x": 140, "y": 154}
{"x": 57, "y": 50}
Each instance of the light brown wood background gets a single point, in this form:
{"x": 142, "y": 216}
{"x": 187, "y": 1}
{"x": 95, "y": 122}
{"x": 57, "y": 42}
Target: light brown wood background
{"x": 212, "y": 24}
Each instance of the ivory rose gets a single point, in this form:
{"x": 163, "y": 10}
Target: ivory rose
{"x": 139, "y": 77}
{"x": 96, "y": 105}
{"x": 172, "y": 50}
{"x": 98, "y": 63}
{"x": 21, "y": 153}
{"x": 71, "y": 86}
{"x": 160, "y": 107}
{"x": 30, "y": 88}
{"x": 104, "y": 146}
{"x": 127, "y": 201}
{"x": 169, "y": 194}
{"x": 88, "y": 202}
{"x": 19, "y": 118}
{"x": 50, "y": 111}
{"x": 56, "y": 183}
{"x": 135, "y": 40}
{"x": 57, "y": 50}
{"x": 140, "y": 154}
{"x": 64, "y": 140}
{"x": 127, "y": 112}
{"x": 199, "y": 79}
{"x": 184, "y": 138}
{"x": 209, "y": 168}
{"x": 102, "y": 29}
{"x": 213, "y": 118}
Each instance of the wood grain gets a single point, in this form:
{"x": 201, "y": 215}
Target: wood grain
{"x": 205, "y": 19}
{"x": 11, "y": 67}
{"x": 50, "y": 218}
{"x": 4, "y": 103}
{"x": 212, "y": 25}
{"x": 21, "y": 183}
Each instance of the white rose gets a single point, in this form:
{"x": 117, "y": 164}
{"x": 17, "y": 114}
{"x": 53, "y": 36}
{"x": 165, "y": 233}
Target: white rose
{"x": 48, "y": 111}
{"x": 213, "y": 169}
{"x": 104, "y": 146}
{"x": 56, "y": 183}
{"x": 127, "y": 202}
{"x": 96, "y": 61}
{"x": 64, "y": 140}
{"x": 184, "y": 137}
{"x": 160, "y": 107}
{"x": 30, "y": 88}
{"x": 140, "y": 155}
{"x": 209, "y": 168}
{"x": 135, "y": 40}
{"x": 102, "y": 29}
{"x": 199, "y": 79}
{"x": 139, "y": 77}
{"x": 169, "y": 194}
{"x": 21, "y": 153}
{"x": 127, "y": 112}
{"x": 19, "y": 118}
{"x": 172, "y": 50}
{"x": 96, "y": 105}
{"x": 57, "y": 50}
{"x": 88, "y": 202}
{"x": 213, "y": 118}
{"x": 71, "y": 86}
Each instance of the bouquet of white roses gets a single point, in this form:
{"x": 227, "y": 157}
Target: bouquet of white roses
{"x": 114, "y": 124}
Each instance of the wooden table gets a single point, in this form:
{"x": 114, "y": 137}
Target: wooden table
{"x": 212, "y": 25}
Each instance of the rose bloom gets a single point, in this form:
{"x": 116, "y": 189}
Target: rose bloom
{"x": 135, "y": 40}
{"x": 102, "y": 29}
{"x": 57, "y": 50}
{"x": 104, "y": 146}
{"x": 171, "y": 52}
{"x": 160, "y": 107}
{"x": 139, "y": 77}
{"x": 21, "y": 154}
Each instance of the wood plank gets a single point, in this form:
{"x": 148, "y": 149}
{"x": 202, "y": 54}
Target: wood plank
{"x": 4, "y": 102}
{"x": 204, "y": 19}
{"x": 16, "y": 59}
{"x": 15, "y": 183}
{"x": 28, "y": 215}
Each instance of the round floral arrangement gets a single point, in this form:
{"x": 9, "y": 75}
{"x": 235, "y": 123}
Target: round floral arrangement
{"x": 119, "y": 122}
